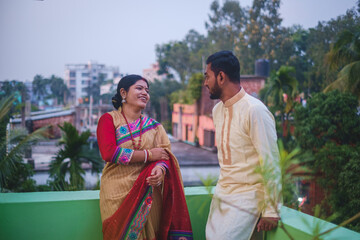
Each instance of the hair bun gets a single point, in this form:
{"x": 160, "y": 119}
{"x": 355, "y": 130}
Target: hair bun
{"x": 116, "y": 101}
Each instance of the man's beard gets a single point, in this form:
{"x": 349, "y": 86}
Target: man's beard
{"x": 216, "y": 92}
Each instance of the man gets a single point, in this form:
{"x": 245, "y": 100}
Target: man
{"x": 246, "y": 138}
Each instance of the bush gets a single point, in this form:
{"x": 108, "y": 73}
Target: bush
{"x": 329, "y": 128}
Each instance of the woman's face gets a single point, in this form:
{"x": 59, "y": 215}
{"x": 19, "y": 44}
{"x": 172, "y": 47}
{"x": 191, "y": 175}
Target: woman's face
{"x": 138, "y": 95}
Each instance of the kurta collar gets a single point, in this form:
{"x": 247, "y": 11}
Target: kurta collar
{"x": 235, "y": 98}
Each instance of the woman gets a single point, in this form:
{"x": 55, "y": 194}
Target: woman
{"x": 141, "y": 193}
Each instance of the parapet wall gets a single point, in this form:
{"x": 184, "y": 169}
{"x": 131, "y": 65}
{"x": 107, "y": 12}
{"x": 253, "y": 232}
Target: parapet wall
{"x": 76, "y": 216}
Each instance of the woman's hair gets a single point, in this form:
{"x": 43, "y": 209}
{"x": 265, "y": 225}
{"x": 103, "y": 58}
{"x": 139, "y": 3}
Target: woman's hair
{"x": 125, "y": 83}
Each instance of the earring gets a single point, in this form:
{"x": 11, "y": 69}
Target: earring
{"x": 124, "y": 100}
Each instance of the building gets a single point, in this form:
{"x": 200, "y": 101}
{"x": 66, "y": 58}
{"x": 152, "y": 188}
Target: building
{"x": 186, "y": 122}
{"x": 152, "y": 73}
{"x": 51, "y": 118}
{"x": 78, "y": 77}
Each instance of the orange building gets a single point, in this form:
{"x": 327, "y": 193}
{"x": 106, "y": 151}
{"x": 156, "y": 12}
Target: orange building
{"x": 185, "y": 117}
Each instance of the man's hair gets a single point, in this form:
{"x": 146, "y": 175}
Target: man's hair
{"x": 226, "y": 62}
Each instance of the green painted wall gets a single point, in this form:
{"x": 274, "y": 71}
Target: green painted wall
{"x": 53, "y": 215}
{"x": 76, "y": 215}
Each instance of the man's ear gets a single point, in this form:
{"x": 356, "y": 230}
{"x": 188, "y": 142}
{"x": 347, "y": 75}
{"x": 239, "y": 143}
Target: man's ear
{"x": 221, "y": 77}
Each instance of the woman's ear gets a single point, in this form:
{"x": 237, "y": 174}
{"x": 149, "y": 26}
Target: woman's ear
{"x": 123, "y": 93}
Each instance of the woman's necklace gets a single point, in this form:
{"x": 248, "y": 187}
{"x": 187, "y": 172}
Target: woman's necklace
{"x": 132, "y": 138}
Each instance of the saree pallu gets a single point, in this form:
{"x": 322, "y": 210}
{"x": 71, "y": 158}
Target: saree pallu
{"x": 131, "y": 216}
{"x": 130, "y": 209}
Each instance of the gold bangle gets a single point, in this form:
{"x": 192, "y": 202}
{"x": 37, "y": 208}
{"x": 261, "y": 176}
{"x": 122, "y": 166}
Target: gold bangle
{"x": 150, "y": 155}
{"x": 163, "y": 170}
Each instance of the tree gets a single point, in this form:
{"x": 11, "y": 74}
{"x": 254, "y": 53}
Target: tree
{"x": 329, "y": 128}
{"x": 14, "y": 173}
{"x": 41, "y": 87}
{"x": 280, "y": 95}
{"x": 225, "y": 24}
{"x": 161, "y": 91}
{"x": 174, "y": 55}
{"x": 345, "y": 55}
{"x": 194, "y": 87}
{"x": 183, "y": 57}
{"x": 282, "y": 84}
{"x": 94, "y": 88}
{"x": 59, "y": 90}
{"x": 319, "y": 44}
{"x": 75, "y": 151}
{"x": 299, "y": 59}
{"x": 50, "y": 88}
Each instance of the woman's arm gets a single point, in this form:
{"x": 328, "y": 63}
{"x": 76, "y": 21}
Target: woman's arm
{"x": 110, "y": 152}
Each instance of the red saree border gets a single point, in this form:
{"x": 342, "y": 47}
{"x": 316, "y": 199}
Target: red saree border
{"x": 128, "y": 221}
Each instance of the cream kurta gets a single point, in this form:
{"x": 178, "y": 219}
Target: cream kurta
{"x": 245, "y": 133}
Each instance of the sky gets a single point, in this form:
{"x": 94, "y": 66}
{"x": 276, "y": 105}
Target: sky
{"x": 41, "y": 36}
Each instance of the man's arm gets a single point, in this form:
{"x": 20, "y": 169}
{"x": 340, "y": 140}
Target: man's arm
{"x": 264, "y": 138}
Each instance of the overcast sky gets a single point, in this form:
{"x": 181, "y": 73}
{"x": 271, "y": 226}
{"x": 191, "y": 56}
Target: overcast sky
{"x": 40, "y": 37}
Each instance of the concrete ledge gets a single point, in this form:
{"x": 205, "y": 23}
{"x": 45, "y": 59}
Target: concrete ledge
{"x": 76, "y": 215}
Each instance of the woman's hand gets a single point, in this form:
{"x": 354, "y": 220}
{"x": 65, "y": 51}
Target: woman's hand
{"x": 157, "y": 176}
{"x": 159, "y": 154}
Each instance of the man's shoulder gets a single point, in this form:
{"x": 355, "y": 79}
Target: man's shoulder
{"x": 253, "y": 102}
{"x": 217, "y": 107}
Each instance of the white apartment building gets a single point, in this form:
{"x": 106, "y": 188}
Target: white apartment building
{"x": 78, "y": 77}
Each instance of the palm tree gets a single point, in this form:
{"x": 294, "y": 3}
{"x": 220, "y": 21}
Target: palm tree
{"x": 345, "y": 55}
{"x": 281, "y": 83}
{"x": 280, "y": 94}
{"x": 13, "y": 144}
{"x": 40, "y": 87}
{"x": 74, "y": 152}
{"x": 59, "y": 90}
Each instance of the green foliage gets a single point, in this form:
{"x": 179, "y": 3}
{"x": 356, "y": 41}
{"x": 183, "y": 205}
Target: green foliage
{"x": 319, "y": 44}
{"x": 345, "y": 55}
{"x": 181, "y": 96}
{"x": 20, "y": 179}
{"x": 59, "y": 90}
{"x": 40, "y": 87}
{"x": 94, "y": 88}
{"x": 50, "y": 88}
{"x": 327, "y": 117}
{"x": 279, "y": 83}
{"x": 329, "y": 128}
{"x": 161, "y": 91}
{"x": 255, "y": 33}
{"x": 74, "y": 152}
{"x": 14, "y": 173}
{"x": 195, "y": 85}
{"x": 18, "y": 92}
{"x": 174, "y": 55}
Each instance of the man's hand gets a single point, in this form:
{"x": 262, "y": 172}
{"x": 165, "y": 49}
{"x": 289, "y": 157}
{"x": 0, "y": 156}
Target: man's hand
{"x": 267, "y": 224}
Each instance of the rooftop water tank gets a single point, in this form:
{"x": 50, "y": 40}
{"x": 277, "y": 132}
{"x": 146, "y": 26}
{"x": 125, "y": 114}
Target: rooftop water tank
{"x": 262, "y": 67}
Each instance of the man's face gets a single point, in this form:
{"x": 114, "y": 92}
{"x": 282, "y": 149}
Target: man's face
{"x": 211, "y": 83}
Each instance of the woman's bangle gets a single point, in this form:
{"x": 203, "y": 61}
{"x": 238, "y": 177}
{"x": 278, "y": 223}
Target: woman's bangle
{"x": 150, "y": 155}
{"x": 146, "y": 156}
{"x": 163, "y": 169}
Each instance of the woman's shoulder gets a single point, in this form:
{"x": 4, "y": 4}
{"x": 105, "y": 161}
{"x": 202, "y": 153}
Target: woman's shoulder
{"x": 150, "y": 122}
{"x": 108, "y": 118}
{"x": 105, "y": 116}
